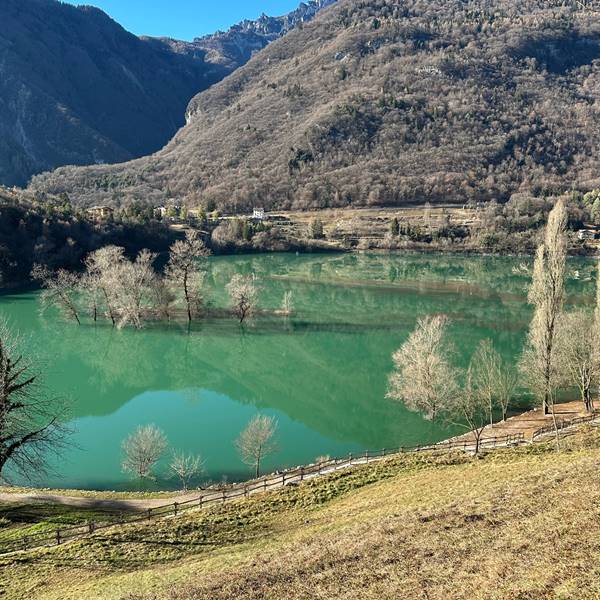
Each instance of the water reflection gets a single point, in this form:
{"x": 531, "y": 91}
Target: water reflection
{"x": 323, "y": 371}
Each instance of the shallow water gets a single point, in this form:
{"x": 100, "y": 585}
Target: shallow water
{"x": 322, "y": 372}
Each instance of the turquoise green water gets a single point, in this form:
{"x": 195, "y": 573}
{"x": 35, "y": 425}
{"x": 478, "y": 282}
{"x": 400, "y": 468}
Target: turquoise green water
{"x": 322, "y": 373}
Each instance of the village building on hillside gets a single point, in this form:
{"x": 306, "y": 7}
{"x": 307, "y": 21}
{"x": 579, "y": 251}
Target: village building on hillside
{"x": 100, "y": 213}
{"x": 258, "y": 214}
{"x": 588, "y": 234}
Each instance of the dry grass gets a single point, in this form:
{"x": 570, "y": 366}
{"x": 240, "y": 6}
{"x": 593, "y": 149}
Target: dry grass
{"x": 522, "y": 523}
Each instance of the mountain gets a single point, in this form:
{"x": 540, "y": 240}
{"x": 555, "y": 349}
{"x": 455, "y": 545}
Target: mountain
{"x": 76, "y": 88}
{"x": 384, "y": 102}
{"x": 236, "y": 46}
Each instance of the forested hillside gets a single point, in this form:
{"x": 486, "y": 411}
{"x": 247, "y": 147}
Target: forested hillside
{"x": 51, "y": 233}
{"x": 383, "y": 102}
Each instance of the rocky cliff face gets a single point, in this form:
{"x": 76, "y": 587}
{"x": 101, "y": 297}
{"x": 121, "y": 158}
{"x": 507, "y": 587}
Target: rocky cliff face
{"x": 236, "y": 46}
{"x": 77, "y": 89}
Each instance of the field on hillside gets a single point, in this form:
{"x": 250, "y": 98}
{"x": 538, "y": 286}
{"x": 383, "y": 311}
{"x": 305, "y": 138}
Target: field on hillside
{"x": 520, "y": 523}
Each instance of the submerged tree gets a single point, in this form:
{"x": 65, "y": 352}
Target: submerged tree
{"x": 61, "y": 289}
{"x": 31, "y": 420}
{"x": 539, "y": 362}
{"x": 184, "y": 273}
{"x": 287, "y": 305}
{"x": 134, "y": 288}
{"x": 243, "y": 295}
{"x": 142, "y": 450}
{"x": 424, "y": 378}
{"x": 102, "y": 280}
{"x": 256, "y": 441}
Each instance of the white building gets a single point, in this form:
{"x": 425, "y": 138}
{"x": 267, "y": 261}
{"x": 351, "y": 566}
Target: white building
{"x": 258, "y": 214}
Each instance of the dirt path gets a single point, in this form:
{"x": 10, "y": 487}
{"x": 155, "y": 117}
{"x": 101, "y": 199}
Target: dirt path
{"x": 108, "y": 504}
{"x": 529, "y": 422}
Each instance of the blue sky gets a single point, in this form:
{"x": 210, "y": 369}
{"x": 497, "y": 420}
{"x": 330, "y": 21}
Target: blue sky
{"x": 186, "y": 19}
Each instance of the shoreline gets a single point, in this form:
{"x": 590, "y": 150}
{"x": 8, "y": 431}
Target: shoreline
{"x": 526, "y": 422}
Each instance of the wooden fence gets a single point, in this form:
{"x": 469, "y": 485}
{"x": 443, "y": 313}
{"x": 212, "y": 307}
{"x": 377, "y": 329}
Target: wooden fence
{"x": 212, "y": 497}
{"x": 563, "y": 424}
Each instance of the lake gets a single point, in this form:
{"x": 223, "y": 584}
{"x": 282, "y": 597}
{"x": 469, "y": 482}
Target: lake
{"x": 321, "y": 372}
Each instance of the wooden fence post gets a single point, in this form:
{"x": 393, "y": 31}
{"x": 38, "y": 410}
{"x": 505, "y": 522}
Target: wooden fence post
{"x": 91, "y": 527}
{"x": 301, "y": 473}
{"x": 58, "y": 537}
{"x": 149, "y": 513}
{"x": 175, "y": 505}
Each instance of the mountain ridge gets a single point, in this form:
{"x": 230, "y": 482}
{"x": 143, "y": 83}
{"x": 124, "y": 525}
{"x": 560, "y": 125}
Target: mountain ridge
{"x": 380, "y": 103}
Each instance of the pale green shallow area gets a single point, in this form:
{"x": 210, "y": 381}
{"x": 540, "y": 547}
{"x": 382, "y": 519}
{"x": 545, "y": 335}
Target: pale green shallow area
{"x": 323, "y": 372}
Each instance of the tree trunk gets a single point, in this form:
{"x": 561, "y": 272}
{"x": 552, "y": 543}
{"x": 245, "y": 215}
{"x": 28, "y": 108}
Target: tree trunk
{"x": 187, "y": 297}
{"x": 555, "y": 423}
{"x": 109, "y": 307}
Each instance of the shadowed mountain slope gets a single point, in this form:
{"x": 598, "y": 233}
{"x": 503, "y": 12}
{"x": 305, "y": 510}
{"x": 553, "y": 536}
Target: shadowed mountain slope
{"x": 76, "y": 88}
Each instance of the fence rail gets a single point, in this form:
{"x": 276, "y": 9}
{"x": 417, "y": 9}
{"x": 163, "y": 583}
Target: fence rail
{"x": 563, "y": 424}
{"x": 212, "y": 497}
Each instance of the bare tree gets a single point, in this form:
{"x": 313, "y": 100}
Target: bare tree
{"x": 256, "y": 441}
{"x": 495, "y": 379}
{"x": 243, "y": 295}
{"x": 424, "y": 378}
{"x": 31, "y": 420}
{"x": 539, "y": 361}
{"x": 142, "y": 450}
{"x": 485, "y": 372}
{"x": 287, "y": 306}
{"x": 92, "y": 294}
{"x": 578, "y": 356}
{"x": 186, "y": 467}
{"x": 103, "y": 270}
{"x": 60, "y": 290}
{"x": 508, "y": 379}
{"x": 135, "y": 280}
{"x": 183, "y": 271}
{"x": 162, "y": 296}
{"x": 471, "y": 407}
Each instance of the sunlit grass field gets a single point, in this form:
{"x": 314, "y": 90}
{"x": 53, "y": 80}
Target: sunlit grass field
{"x": 519, "y": 523}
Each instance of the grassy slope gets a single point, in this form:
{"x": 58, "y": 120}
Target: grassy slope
{"x": 523, "y": 523}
